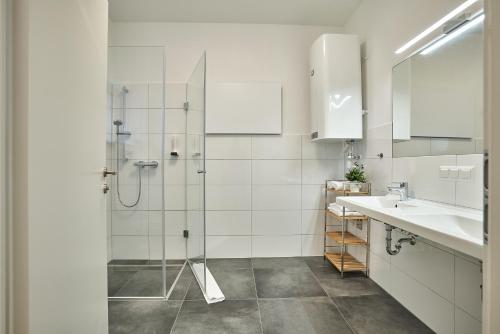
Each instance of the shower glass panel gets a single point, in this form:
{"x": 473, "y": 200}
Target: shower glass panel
{"x": 195, "y": 172}
{"x": 135, "y": 151}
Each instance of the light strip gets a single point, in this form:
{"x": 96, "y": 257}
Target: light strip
{"x": 436, "y": 25}
{"x": 453, "y": 34}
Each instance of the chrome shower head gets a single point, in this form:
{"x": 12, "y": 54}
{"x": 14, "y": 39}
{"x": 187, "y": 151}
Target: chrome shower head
{"x": 124, "y": 90}
{"x": 117, "y": 122}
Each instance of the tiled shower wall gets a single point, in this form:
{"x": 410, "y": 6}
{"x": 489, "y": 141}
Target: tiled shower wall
{"x": 135, "y": 233}
{"x": 265, "y": 194}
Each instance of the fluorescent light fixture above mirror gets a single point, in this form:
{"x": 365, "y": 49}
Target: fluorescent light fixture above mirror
{"x": 436, "y": 25}
{"x": 457, "y": 32}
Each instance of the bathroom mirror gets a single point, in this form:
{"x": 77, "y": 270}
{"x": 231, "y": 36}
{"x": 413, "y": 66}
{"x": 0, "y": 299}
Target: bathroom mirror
{"x": 438, "y": 96}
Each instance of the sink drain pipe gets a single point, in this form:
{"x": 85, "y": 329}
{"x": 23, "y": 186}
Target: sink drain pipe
{"x": 411, "y": 239}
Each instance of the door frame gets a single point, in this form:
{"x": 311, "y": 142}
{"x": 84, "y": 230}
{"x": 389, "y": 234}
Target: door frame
{"x": 5, "y": 9}
{"x": 491, "y": 293}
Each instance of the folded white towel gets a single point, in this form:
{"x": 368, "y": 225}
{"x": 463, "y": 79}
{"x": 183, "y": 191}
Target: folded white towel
{"x": 335, "y": 206}
{"x": 347, "y": 213}
{"x": 336, "y": 185}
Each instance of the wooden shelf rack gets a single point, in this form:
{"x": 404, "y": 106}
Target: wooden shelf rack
{"x": 348, "y": 264}
{"x": 343, "y": 260}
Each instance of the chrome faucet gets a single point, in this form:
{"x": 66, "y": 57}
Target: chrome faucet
{"x": 400, "y": 188}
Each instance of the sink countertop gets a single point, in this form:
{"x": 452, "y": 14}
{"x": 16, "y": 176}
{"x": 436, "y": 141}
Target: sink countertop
{"x": 458, "y": 228}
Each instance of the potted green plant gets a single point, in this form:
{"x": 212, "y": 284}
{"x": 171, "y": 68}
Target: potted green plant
{"x": 355, "y": 175}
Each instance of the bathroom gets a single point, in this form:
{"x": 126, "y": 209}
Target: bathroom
{"x": 302, "y": 166}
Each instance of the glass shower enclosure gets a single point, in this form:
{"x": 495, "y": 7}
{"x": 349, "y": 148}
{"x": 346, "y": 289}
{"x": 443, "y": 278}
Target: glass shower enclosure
{"x": 195, "y": 137}
{"x": 156, "y": 150}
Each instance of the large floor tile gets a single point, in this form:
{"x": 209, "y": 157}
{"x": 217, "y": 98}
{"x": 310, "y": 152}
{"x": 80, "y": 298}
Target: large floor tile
{"x": 321, "y": 267}
{"x": 379, "y": 314}
{"x": 117, "y": 279}
{"x": 316, "y": 315}
{"x": 279, "y": 263}
{"x": 235, "y": 284}
{"x": 147, "y": 283}
{"x": 142, "y": 317}
{"x": 183, "y": 283}
{"x": 228, "y": 264}
{"x": 228, "y": 317}
{"x": 286, "y": 283}
{"x": 350, "y": 286}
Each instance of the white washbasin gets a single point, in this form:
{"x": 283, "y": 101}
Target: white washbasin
{"x": 452, "y": 223}
{"x": 457, "y": 228}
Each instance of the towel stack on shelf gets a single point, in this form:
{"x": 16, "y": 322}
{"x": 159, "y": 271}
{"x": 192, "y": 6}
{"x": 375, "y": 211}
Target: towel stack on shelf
{"x": 337, "y": 185}
{"x": 338, "y": 210}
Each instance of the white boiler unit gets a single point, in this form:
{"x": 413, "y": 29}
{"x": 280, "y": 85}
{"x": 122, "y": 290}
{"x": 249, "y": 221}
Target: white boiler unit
{"x": 336, "y": 111}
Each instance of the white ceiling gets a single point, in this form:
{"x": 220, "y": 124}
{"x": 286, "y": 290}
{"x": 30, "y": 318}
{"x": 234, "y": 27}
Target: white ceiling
{"x": 302, "y": 12}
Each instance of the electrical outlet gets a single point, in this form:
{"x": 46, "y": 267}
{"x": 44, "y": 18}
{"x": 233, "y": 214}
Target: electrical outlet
{"x": 465, "y": 172}
{"x": 453, "y": 173}
{"x": 444, "y": 172}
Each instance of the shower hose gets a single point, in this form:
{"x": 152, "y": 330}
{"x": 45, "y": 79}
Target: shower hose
{"x": 127, "y": 205}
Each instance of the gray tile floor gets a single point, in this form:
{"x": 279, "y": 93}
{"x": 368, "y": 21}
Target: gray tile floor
{"x": 272, "y": 295}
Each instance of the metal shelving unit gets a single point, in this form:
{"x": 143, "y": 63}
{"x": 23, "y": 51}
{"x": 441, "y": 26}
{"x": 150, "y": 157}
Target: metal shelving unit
{"x": 342, "y": 260}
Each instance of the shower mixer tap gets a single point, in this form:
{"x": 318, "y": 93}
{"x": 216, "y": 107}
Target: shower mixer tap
{"x": 142, "y": 164}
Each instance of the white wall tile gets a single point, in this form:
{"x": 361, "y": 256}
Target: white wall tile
{"x": 128, "y": 172}
{"x": 175, "y": 172}
{"x": 130, "y": 247}
{"x": 276, "y": 147}
{"x": 276, "y": 172}
{"x": 129, "y": 223}
{"x": 229, "y": 246}
{"x": 422, "y": 173}
{"x": 134, "y": 120}
{"x": 313, "y": 197}
{"x": 228, "y": 172}
{"x": 276, "y": 222}
{"x": 136, "y": 147}
{"x": 321, "y": 150}
{"x": 465, "y": 324}
{"x": 175, "y": 121}
{"x": 312, "y": 245}
{"x": 380, "y": 141}
{"x": 155, "y": 95}
{"x": 380, "y": 271}
{"x": 155, "y": 120}
{"x": 229, "y": 222}
{"x": 175, "y": 197}
{"x": 313, "y": 221}
{"x": 377, "y": 240}
{"x": 424, "y": 263}
{"x": 470, "y": 192}
{"x": 128, "y": 195}
{"x": 155, "y": 197}
{"x": 175, "y": 94}
{"x": 137, "y": 96}
{"x": 175, "y": 248}
{"x": 468, "y": 279}
{"x": 417, "y": 299}
{"x": 228, "y": 147}
{"x": 276, "y": 246}
{"x": 175, "y": 222}
{"x": 379, "y": 174}
{"x": 276, "y": 197}
{"x": 228, "y": 197}
{"x": 318, "y": 171}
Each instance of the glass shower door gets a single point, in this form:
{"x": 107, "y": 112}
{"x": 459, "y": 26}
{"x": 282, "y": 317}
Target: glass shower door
{"x": 195, "y": 173}
{"x": 135, "y": 152}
